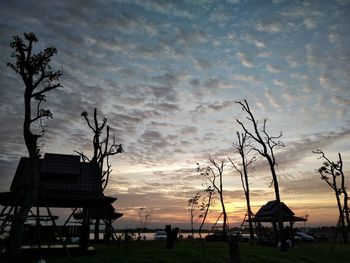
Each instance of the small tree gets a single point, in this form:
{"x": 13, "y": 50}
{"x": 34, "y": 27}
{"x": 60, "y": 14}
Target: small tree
{"x": 192, "y": 206}
{"x": 240, "y": 147}
{"x": 212, "y": 174}
{"x": 330, "y": 172}
{"x": 145, "y": 215}
{"x": 103, "y": 149}
{"x": 207, "y": 196}
{"x": 266, "y": 145}
{"x": 38, "y": 78}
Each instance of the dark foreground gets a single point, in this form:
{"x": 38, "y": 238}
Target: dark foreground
{"x": 187, "y": 251}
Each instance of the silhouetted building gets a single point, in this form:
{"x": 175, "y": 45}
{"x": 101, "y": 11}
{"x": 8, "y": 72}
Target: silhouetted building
{"x": 65, "y": 182}
{"x": 270, "y": 213}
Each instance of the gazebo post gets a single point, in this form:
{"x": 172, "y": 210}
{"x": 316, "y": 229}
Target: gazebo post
{"x": 85, "y": 235}
{"x": 275, "y": 233}
{"x": 292, "y": 232}
{"x": 260, "y": 232}
{"x": 37, "y": 221}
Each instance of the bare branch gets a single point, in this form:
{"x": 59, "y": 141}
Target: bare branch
{"x": 83, "y": 156}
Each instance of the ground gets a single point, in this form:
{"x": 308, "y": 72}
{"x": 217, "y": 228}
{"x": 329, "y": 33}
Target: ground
{"x": 187, "y": 251}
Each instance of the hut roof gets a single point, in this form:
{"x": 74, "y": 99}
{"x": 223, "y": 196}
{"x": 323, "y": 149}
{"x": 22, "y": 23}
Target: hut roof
{"x": 270, "y": 213}
{"x": 64, "y": 182}
{"x": 60, "y": 172}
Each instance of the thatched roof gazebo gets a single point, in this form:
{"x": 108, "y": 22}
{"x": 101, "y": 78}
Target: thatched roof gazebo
{"x": 269, "y": 213}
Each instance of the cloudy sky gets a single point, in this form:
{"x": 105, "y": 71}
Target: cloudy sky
{"x": 166, "y": 75}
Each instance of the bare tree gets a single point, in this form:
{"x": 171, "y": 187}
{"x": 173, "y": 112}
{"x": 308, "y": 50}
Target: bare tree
{"x": 192, "y": 207}
{"x": 145, "y": 215}
{"x": 243, "y": 149}
{"x": 212, "y": 174}
{"x": 215, "y": 176}
{"x": 266, "y": 145}
{"x": 38, "y": 78}
{"x": 205, "y": 205}
{"x": 103, "y": 149}
{"x": 330, "y": 171}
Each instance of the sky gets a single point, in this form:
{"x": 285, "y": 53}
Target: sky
{"x": 167, "y": 74}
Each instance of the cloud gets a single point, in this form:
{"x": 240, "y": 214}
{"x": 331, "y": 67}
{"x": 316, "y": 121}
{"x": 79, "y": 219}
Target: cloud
{"x": 164, "y": 107}
{"x": 213, "y": 107}
{"x": 272, "y": 68}
{"x": 341, "y": 100}
{"x": 269, "y": 27}
{"x": 253, "y": 40}
{"x": 271, "y": 99}
{"x": 298, "y": 150}
{"x": 247, "y": 78}
{"x": 279, "y": 83}
{"x": 215, "y": 83}
{"x": 244, "y": 60}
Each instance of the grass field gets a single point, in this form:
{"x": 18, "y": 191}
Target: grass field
{"x": 186, "y": 251}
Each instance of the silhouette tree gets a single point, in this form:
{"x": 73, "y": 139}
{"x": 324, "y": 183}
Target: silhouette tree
{"x": 145, "y": 215}
{"x": 242, "y": 148}
{"x": 207, "y": 196}
{"x": 330, "y": 171}
{"x": 103, "y": 149}
{"x": 38, "y": 78}
{"x": 199, "y": 206}
{"x": 265, "y": 146}
{"x": 192, "y": 206}
{"x": 212, "y": 174}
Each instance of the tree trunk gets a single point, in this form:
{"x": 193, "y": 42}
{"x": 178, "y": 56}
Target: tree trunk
{"x": 85, "y": 235}
{"x": 247, "y": 197}
{"x": 249, "y": 211}
{"x": 29, "y": 195}
{"x": 281, "y": 236}
{"x": 224, "y": 224}
{"x": 343, "y": 188}
{"x": 346, "y": 209}
{"x": 341, "y": 220}
{"x": 97, "y": 229}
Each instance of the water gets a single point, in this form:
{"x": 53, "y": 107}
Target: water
{"x": 147, "y": 236}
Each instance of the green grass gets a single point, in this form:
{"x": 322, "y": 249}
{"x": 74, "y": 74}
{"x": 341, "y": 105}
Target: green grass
{"x": 186, "y": 251}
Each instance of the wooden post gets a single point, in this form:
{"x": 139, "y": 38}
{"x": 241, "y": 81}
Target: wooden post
{"x": 171, "y": 236}
{"x": 85, "y": 235}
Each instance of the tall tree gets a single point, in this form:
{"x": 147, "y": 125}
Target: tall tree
{"x": 103, "y": 149}
{"x": 38, "y": 78}
{"x": 330, "y": 172}
{"x": 265, "y": 146}
{"x": 242, "y": 148}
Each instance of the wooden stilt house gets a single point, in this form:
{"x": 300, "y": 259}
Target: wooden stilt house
{"x": 65, "y": 182}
